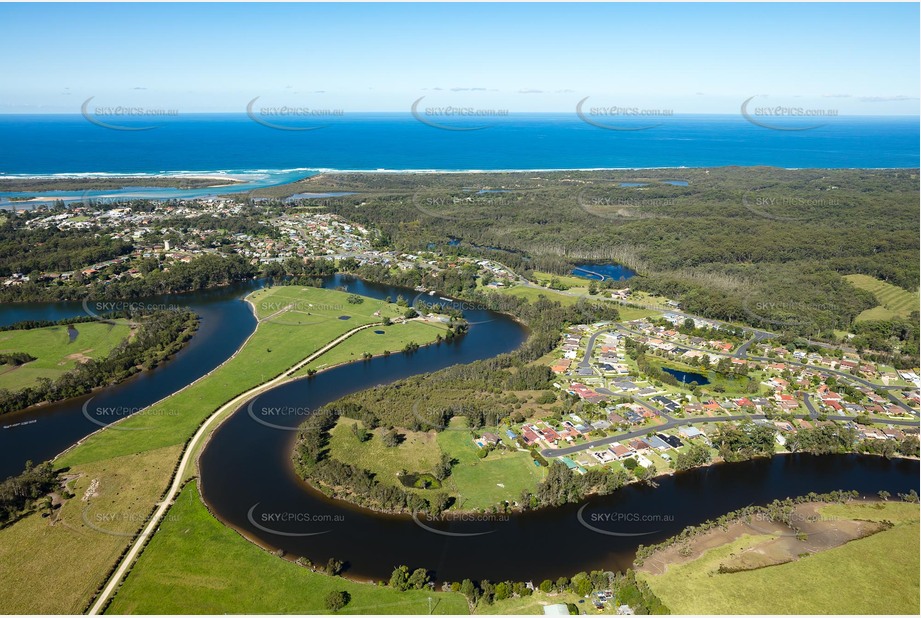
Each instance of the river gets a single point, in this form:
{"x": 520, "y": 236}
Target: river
{"x": 248, "y": 481}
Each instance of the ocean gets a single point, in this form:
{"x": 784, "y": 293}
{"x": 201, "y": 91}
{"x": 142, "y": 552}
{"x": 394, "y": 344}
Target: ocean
{"x": 237, "y": 144}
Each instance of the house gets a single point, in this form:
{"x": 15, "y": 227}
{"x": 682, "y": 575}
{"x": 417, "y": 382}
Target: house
{"x": 690, "y": 432}
{"x": 643, "y": 461}
{"x": 605, "y": 456}
{"x": 549, "y": 434}
{"x": 639, "y": 445}
{"x": 657, "y": 443}
{"x": 490, "y": 438}
{"x": 666, "y": 403}
{"x": 672, "y": 441}
{"x": 620, "y": 451}
{"x": 529, "y": 437}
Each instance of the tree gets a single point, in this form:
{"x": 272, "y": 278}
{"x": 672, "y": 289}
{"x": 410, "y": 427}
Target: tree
{"x": 391, "y": 438}
{"x": 399, "y": 579}
{"x": 469, "y": 590}
{"x": 334, "y": 567}
{"x": 337, "y": 599}
{"x": 418, "y": 579}
{"x": 443, "y": 467}
{"x": 581, "y": 584}
{"x": 546, "y": 586}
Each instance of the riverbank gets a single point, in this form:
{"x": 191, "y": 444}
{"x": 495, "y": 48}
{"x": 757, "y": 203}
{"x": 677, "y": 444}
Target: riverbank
{"x": 741, "y": 567}
{"x": 130, "y": 465}
{"x": 142, "y": 344}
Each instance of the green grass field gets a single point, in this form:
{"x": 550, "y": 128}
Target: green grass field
{"x": 476, "y": 483}
{"x": 533, "y": 605}
{"x": 196, "y": 565}
{"x": 482, "y": 483}
{"x": 277, "y": 344}
{"x": 69, "y": 557}
{"x": 874, "y": 575}
{"x": 893, "y": 300}
{"x": 31, "y": 546}
{"x": 418, "y": 452}
{"x": 532, "y": 294}
{"x": 55, "y": 353}
{"x": 394, "y": 339}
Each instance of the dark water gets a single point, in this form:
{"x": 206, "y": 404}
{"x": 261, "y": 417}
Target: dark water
{"x": 248, "y": 480}
{"x": 600, "y": 272}
{"x": 687, "y": 376}
{"x": 247, "y": 477}
{"x": 42, "y": 432}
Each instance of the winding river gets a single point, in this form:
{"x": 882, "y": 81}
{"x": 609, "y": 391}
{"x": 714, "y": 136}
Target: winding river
{"x": 41, "y": 432}
{"x": 248, "y": 481}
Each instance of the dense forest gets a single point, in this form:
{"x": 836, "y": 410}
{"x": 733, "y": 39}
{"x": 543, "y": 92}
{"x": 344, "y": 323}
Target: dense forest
{"x": 758, "y": 245}
{"x": 24, "y": 250}
{"x": 160, "y": 335}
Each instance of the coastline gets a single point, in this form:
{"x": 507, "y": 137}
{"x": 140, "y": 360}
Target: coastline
{"x": 247, "y": 175}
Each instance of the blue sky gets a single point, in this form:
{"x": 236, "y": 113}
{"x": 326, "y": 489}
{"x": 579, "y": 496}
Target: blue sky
{"x": 688, "y": 58}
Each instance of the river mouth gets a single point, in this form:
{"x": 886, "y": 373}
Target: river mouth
{"x": 249, "y": 483}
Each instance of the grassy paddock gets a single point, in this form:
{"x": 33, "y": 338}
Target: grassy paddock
{"x": 482, "y": 483}
{"x": 843, "y": 580}
{"x": 55, "y": 353}
{"x": 394, "y": 339}
{"x": 195, "y": 565}
{"x": 893, "y": 300}
{"x": 55, "y": 567}
{"x": 418, "y": 453}
{"x": 134, "y": 467}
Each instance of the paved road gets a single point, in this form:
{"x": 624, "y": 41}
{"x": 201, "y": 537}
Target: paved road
{"x": 587, "y": 357}
{"x": 671, "y": 423}
{"x": 823, "y": 370}
{"x": 807, "y": 399}
{"x": 187, "y": 456}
